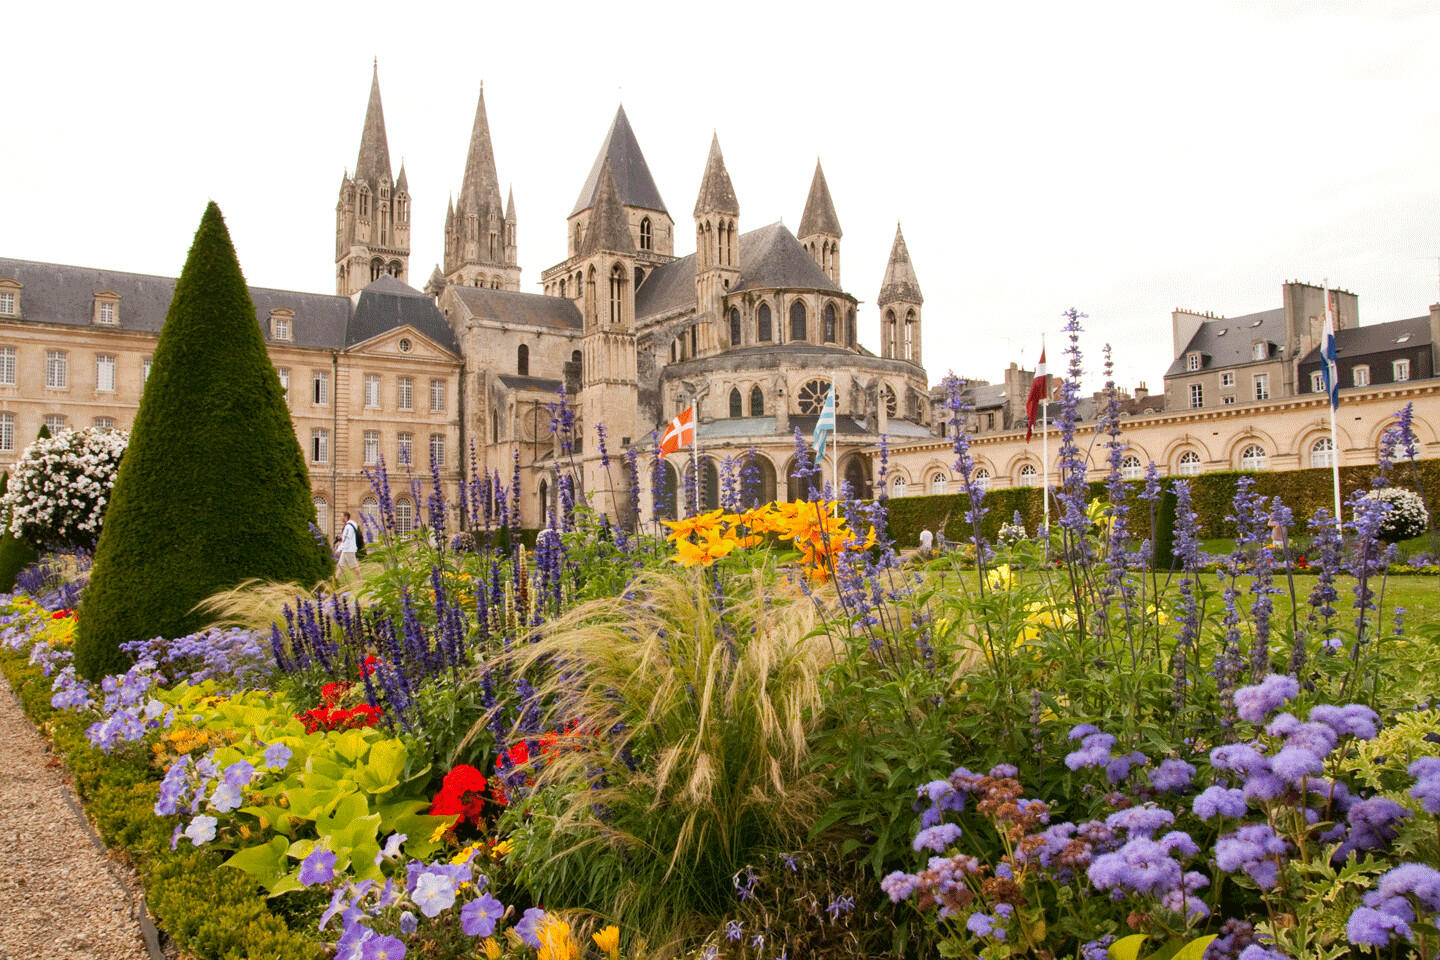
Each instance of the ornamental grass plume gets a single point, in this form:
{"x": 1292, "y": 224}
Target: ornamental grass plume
{"x": 694, "y": 720}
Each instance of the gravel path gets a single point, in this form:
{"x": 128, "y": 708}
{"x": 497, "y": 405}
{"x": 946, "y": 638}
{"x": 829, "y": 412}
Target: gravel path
{"x": 62, "y": 896}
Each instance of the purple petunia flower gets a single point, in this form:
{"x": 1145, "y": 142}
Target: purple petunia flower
{"x": 529, "y": 927}
{"x": 434, "y": 893}
{"x": 383, "y": 947}
{"x": 277, "y": 756}
{"x": 477, "y": 918}
{"x": 318, "y": 867}
{"x": 201, "y": 830}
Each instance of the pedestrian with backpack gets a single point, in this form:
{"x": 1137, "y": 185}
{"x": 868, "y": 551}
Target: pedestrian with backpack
{"x": 348, "y": 544}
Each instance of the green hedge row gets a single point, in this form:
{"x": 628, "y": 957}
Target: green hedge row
{"x": 1304, "y": 491}
{"x": 210, "y": 914}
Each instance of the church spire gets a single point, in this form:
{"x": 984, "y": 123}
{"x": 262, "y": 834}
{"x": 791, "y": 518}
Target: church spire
{"x": 900, "y": 284}
{"x": 481, "y": 186}
{"x": 373, "y": 165}
{"x": 480, "y": 238}
{"x": 819, "y": 216}
{"x": 717, "y": 194}
{"x": 372, "y": 217}
{"x": 608, "y": 229}
{"x": 900, "y": 304}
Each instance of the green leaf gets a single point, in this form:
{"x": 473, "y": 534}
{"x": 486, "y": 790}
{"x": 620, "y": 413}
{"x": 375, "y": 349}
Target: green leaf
{"x": 1195, "y": 949}
{"x": 1127, "y": 948}
{"x": 381, "y": 771}
{"x": 265, "y": 862}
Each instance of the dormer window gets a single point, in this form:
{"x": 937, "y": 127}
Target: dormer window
{"x": 280, "y": 324}
{"x": 107, "y": 308}
{"x": 1192, "y": 362}
{"x": 9, "y": 298}
{"x": 1260, "y": 350}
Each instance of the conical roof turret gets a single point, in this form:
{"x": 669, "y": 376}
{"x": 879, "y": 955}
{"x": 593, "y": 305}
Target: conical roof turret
{"x": 608, "y": 229}
{"x": 401, "y": 184}
{"x": 510, "y": 205}
{"x": 481, "y": 186}
{"x": 634, "y": 184}
{"x": 373, "y": 165}
{"x": 900, "y": 283}
{"x": 717, "y": 194}
{"x": 819, "y": 215}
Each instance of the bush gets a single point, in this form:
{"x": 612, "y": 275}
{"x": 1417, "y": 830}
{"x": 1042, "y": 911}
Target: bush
{"x": 61, "y": 485}
{"x": 1407, "y": 516}
{"x": 213, "y": 489}
{"x": 15, "y": 554}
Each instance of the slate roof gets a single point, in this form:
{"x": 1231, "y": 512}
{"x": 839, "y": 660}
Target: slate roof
{"x": 387, "y": 303}
{"x": 510, "y": 306}
{"x": 373, "y": 163}
{"x": 515, "y": 382}
{"x": 819, "y": 215}
{"x": 607, "y": 229}
{"x": 632, "y": 174}
{"x": 989, "y": 395}
{"x": 1227, "y": 342}
{"x": 1377, "y": 338}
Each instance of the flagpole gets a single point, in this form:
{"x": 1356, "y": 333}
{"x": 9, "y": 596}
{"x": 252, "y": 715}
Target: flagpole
{"x": 1045, "y": 457}
{"x": 695, "y": 448}
{"x": 1331, "y": 401}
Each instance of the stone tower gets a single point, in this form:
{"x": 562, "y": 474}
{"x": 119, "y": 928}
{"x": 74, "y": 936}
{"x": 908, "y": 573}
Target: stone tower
{"x": 609, "y": 384}
{"x": 900, "y": 302}
{"x": 820, "y": 227}
{"x": 717, "y": 237}
{"x": 372, "y": 217}
{"x": 650, "y": 226}
{"x": 480, "y": 245}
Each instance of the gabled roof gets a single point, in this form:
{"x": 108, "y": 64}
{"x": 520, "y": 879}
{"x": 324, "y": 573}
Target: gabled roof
{"x": 1227, "y": 341}
{"x": 386, "y": 304}
{"x": 632, "y": 174}
{"x": 481, "y": 186}
{"x": 510, "y": 306}
{"x": 373, "y": 164}
{"x": 900, "y": 283}
{"x": 1355, "y": 342}
{"x": 819, "y": 215}
{"x": 608, "y": 229}
{"x": 717, "y": 194}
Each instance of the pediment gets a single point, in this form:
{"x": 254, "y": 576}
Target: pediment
{"x": 393, "y": 343}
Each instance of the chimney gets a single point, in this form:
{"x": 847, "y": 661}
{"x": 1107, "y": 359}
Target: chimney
{"x": 1141, "y": 392}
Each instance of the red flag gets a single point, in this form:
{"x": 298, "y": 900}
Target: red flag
{"x": 1038, "y": 390}
{"x": 680, "y": 433}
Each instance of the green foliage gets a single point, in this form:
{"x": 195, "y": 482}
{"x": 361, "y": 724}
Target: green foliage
{"x": 1163, "y": 542}
{"x": 15, "y": 554}
{"x": 213, "y": 489}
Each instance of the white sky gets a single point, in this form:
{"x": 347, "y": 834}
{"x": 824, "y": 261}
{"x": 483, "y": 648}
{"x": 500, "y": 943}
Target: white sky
{"x": 1123, "y": 158}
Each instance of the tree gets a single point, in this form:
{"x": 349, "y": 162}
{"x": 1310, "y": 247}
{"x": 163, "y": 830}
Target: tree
{"x": 213, "y": 489}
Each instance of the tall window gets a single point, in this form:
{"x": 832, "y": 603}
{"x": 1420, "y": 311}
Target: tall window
{"x": 320, "y": 386}
{"x": 937, "y": 484}
{"x": 105, "y": 312}
{"x": 827, "y": 323}
{"x": 850, "y": 327}
{"x": 437, "y": 449}
{"x": 322, "y": 514}
{"x": 762, "y": 324}
{"x": 647, "y": 242}
{"x": 1262, "y": 386}
{"x": 910, "y": 335}
{"x": 797, "y": 321}
{"x": 372, "y": 390}
{"x": 617, "y": 295}
{"x": 55, "y": 422}
{"x": 1197, "y": 396}
{"x": 284, "y": 373}
{"x": 734, "y": 327}
{"x": 405, "y": 393}
{"x": 372, "y": 447}
{"x": 57, "y": 371}
{"x": 1322, "y": 453}
{"x": 1192, "y": 362}
{"x": 7, "y": 432}
{"x": 7, "y": 303}
{"x": 280, "y": 328}
{"x": 7, "y": 366}
{"x": 1260, "y": 350}
{"x": 319, "y": 445}
{"x": 1029, "y": 476}
{"x": 981, "y": 478}
{"x": 736, "y": 405}
{"x": 405, "y": 448}
{"x": 1253, "y": 457}
{"x": 1360, "y": 375}
{"x": 522, "y": 360}
{"x": 1189, "y": 464}
{"x": 437, "y": 396}
{"x": 757, "y": 402}
{"x": 1400, "y": 370}
{"x": 1131, "y": 468}
{"x": 404, "y": 515}
{"x": 105, "y": 372}
{"x": 1317, "y": 381}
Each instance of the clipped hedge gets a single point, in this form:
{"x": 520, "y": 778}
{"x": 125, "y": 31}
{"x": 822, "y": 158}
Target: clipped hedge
{"x": 210, "y": 913}
{"x": 15, "y": 554}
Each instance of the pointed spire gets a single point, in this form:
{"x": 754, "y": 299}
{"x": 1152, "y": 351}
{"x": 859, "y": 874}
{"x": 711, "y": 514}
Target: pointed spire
{"x": 632, "y": 175}
{"x": 608, "y": 229}
{"x": 373, "y": 166}
{"x": 819, "y": 215}
{"x": 900, "y": 283}
{"x": 481, "y": 186}
{"x": 510, "y": 204}
{"x": 401, "y": 184}
{"x": 717, "y": 194}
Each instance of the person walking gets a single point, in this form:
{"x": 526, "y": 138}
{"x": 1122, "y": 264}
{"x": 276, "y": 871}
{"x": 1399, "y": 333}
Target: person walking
{"x": 347, "y": 548}
{"x": 927, "y": 543}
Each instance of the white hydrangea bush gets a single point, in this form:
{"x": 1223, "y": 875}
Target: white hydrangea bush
{"x": 1406, "y": 517}
{"x": 60, "y": 486}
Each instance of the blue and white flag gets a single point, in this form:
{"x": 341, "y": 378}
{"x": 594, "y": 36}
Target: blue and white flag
{"x": 1329, "y": 359}
{"x": 825, "y": 425}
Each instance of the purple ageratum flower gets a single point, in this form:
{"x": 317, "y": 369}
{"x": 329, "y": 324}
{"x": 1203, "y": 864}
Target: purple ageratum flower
{"x": 980, "y": 924}
{"x": 1141, "y": 821}
{"x": 1417, "y": 880}
{"x": 1178, "y": 841}
{"x": 1368, "y": 927}
{"x": 1082, "y": 730}
{"x": 1254, "y": 849}
{"x": 899, "y": 885}
{"x": 1372, "y": 824}
{"x": 318, "y": 867}
{"x": 1173, "y": 776}
{"x": 1004, "y": 770}
{"x": 1097, "y": 949}
{"x": 1352, "y": 720}
{"x": 1318, "y": 738}
{"x": 1240, "y": 758}
{"x": 1255, "y": 951}
{"x": 1094, "y": 751}
{"x": 936, "y": 838}
{"x": 1141, "y": 866}
{"x": 1426, "y": 772}
{"x": 529, "y": 927}
{"x": 1257, "y": 702}
{"x": 478, "y": 917}
{"x": 1118, "y": 768}
{"x": 1294, "y": 764}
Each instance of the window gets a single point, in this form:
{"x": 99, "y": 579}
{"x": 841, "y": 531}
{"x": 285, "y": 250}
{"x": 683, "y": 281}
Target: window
{"x": 1253, "y": 457}
{"x": 797, "y": 321}
{"x": 320, "y": 386}
{"x": 7, "y": 366}
{"x": 1029, "y": 476}
{"x": 320, "y": 445}
{"x": 372, "y": 447}
{"x": 54, "y": 422}
{"x": 617, "y": 295}
{"x": 887, "y": 396}
{"x": 145, "y": 374}
{"x": 405, "y": 393}
{"x": 437, "y": 396}
{"x": 1360, "y": 375}
{"x": 1197, "y": 396}
{"x": 322, "y": 514}
{"x": 372, "y": 390}
{"x": 1322, "y": 453}
{"x": 437, "y": 449}
{"x": 762, "y": 324}
{"x": 1131, "y": 468}
{"x": 1227, "y": 400}
{"x": 981, "y": 478}
{"x": 811, "y": 397}
{"x": 7, "y": 432}
{"x": 647, "y": 241}
{"x": 1262, "y": 386}
{"x": 57, "y": 373}
{"x": 279, "y": 327}
{"x": 898, "y": 487}
{"x": 284, "y": 374}
{"x": 1400, "y": 370}
{"x": 1192, "y": 362}
{"x": 1189, "y": 464}
{"x": 828, "y": 323}
{"x": 105, "y": 312}
{"x": 735, "y": 403}
{"x": 1227, "y": 379}
{"x": 1260, "y": 350}
{"x": 910, "y": 335}
{"x": 105, "y": 372}
{"x": 757, "y": 402}
{"x": 522, "y": 360}
{"x": 404, "y": 445}
{"x": 7, "y": 303}
{"x": 937, "y": 484}
{"x": 1317, "y": 381}
{"x": 404, "y": 515}
{"x": 734, "y": 327}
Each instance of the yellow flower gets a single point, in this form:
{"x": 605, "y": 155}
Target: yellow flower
{"x": 712, "y": 547}
{"x": 502, "y": 848}
{"x": 491, "y": 948}
{"x": 443, "y": 831}
{"x": 466, "y": 853}
{"x": 608, "y": 940}
{"x": 556, "y": 943}
{"x": 1000, "y": 578}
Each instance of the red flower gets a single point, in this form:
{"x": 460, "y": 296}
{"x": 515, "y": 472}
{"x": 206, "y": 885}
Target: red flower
{"x": 367, "y": 666}
{"x": 333, "y": 693}
{"x": 461, "y": 794}
{"x": 519, "y": 754}
{"x": 61, "y": 614}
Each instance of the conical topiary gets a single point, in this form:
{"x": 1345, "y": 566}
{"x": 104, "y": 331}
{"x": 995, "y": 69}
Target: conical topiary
{"x": 213, "y": 489}
{"x": 15, "y": 554}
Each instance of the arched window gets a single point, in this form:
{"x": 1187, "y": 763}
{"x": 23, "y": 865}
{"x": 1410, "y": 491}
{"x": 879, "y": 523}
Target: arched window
{"x": 855, "y": 475}
{"x": 377, "y": 267}
{"x": 762, "y": 324}
{"x": 736, "y": 405}
{"x": 617, "y": 292}
{"x": 1131, "y": 468}
{"x": 1189, "y": 464}
{"x": 575, "y": 240}
{"x": 322, "y": 515}
{"x": 1029, "y": 476}
{"x": 1322, "y": 453}
{"x": 798, "y": 488}
{"x": 828, "y": 323}
{"x": 887, "y": 336}
{"x": 395, "y": 269}
{"x": 797, "y": 321}
{"x": 811, "y": 396}
{"x": 639, "y": 277}
{"x": 577, "y": 358}
{"x": 1253, "y": 457}
{"x": 369, "y": 511}
{"x": 898, "y": 487}
{"x": 646, "y": 241}
{"x": 910, "y": 335}
{"x": 938, "y": 482}
{"x": 850, "y": 327}
{"x": 404, "y": 515}
{"x": 887, "y": 397}
{"x": 734, "y": 327}
{"x": 981, "y": 478}
{"x": 544, "y": 502}
{"x": 522, "y": 360}
{"x": 709, "y": 485}
{"x": 562, "y": 286}
{"x": 757, "y": 402}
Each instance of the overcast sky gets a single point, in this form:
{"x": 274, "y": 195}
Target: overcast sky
{"x": 1123, "y": 158}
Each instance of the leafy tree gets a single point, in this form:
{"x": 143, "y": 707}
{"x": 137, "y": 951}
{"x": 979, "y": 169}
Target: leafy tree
{"x": 213, "y": 489}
